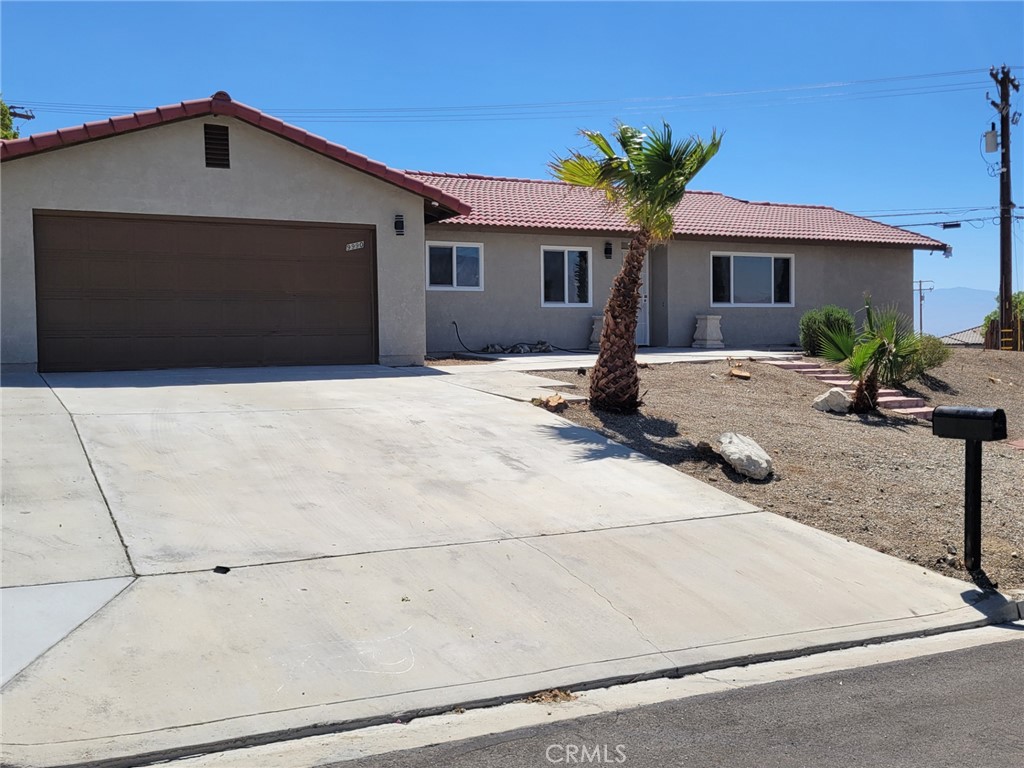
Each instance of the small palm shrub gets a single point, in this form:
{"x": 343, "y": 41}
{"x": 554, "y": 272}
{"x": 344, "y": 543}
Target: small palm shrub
{"x": 879, "y": 354}
{"x": 815, "y": 321}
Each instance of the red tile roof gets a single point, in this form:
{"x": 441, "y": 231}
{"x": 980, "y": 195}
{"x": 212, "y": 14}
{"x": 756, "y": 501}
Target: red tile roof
{"x": 221, "y": 104}
{"x": 554, "y": 205}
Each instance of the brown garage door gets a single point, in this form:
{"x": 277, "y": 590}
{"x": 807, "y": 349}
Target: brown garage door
{"x": 122, "y": 293}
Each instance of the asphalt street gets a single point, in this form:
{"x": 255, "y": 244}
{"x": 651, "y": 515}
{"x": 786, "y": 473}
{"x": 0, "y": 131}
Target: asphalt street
{"x": 963, "y": 708}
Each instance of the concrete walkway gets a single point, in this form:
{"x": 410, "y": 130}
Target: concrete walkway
{"x": 561, "y": 360}
{"x": 394, "y": 542}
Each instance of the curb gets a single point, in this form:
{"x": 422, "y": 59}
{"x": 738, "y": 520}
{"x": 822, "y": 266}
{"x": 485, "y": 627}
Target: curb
{"x": 1002, "y": 611}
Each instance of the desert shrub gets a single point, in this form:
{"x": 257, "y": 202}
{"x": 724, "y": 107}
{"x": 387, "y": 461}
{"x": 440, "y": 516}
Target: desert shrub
{"x": 815, "y": 321}
{"x": 931, "y": 353}
{"x": 1016, "y": 301}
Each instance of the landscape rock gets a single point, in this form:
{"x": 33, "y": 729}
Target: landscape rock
{"x": 517, "y": 349}
{"x": 744, "y": 455}
{"x": 836, "y": 400}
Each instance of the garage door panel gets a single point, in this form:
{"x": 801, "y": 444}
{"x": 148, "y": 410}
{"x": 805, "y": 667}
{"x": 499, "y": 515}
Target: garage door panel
{"x": 60, "y": 351}
{"x": 107, "y": 352}
{"x": 332, "y": 316}
{"x": 241, "y": 349}
{"x": 127, "y": 235}
{"x": 314, "y": 243}
{"x": 106, "y": 273}
{"x": 153, "y": 315}
{"x": 154, "y": 275}
{"x": 61, "y": 315}
{"x": 61, "y": 271}
{"x": 353, "y": 315}
{"x": 72, "y": 236}
{"x": 122, "y": 293}
{"x": 352, "y": 345}
{"x": 151, "y": 351}
{"x": 106, "y": 314}
{"x": 200, "y": 315}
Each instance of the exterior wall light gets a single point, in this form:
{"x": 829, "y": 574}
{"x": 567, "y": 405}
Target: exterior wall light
{"x": 399, "y": 224}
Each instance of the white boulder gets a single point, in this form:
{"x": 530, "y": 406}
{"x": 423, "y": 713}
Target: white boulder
{"x": 836, "y": 400}
{"x": 744, "y": 455}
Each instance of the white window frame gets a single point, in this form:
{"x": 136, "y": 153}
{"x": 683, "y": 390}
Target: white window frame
{"x": 455, "y": 273}
{"x": 732, "y": 278}
{"x": 565, "y": 269}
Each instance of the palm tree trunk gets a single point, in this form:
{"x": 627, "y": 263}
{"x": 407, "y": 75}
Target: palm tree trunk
{"x": 871, "y": 388}
{"x": 614, "y": 382}
{"x": 865, "y": 394}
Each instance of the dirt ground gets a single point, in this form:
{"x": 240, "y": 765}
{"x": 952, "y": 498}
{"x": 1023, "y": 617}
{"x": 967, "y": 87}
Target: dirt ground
{"x": 880, "y": 480}
{"x": 442, "y": 360}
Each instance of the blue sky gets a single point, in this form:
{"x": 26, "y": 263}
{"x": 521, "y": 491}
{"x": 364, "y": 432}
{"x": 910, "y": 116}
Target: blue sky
{"x": 878, "y": 147}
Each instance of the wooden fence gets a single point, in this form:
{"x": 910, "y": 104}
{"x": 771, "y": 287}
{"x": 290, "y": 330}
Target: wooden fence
{"x": 1010, "y": 339}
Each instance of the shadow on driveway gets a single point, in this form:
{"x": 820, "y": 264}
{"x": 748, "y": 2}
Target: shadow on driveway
{"x": 183, "y": 377}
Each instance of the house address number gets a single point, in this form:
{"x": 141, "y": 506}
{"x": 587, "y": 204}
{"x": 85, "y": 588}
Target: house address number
{"x": 355, "y": 246}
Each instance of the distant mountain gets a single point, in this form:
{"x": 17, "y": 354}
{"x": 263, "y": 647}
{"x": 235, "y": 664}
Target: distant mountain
{"x": 947, "y": 310}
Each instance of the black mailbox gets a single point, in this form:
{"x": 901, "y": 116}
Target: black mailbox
{"x": 972, "y": 425}
{"x": 963, "y": 423}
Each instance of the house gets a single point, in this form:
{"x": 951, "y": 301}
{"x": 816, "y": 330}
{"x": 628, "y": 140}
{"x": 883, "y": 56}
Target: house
{"x": 207, "y": 233}
{"x": 970, "y": 337}
{"x": 548, "y": 252}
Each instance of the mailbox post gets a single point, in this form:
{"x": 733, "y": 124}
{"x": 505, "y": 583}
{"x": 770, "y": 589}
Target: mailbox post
{"x": 974, "y": 426}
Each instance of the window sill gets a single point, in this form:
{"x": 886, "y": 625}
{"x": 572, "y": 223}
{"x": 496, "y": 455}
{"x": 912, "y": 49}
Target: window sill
{"x": 455, "y": 288}
{"x": 753, "y": 306}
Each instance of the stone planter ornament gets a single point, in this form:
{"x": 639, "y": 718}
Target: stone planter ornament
{"x": 709, "y": 332}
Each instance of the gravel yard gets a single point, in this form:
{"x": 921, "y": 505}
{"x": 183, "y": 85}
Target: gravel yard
{"x": 879, "y": 480}
{"x": 444, "y": 360}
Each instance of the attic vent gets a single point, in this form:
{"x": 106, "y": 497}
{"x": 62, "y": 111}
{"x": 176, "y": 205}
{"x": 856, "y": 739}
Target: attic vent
{"x": 217, "y": 153}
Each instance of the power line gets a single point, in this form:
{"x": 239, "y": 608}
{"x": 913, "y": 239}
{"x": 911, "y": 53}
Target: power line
{"x": 589, "y": 102}
{"x": 791, "y": 95}
{"x": 993, "y": 219}
{"x": 87, "y": 111}
{"x": 923, "y": 212}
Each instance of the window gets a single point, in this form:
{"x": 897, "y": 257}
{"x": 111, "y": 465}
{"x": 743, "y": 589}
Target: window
{"x": 751, "y": 279}
{"x": 565, "y": 277}
{"x": 455, "y": 266}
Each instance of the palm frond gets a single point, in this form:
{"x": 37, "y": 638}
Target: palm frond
{"x": 837, "y": 344}
{"x": 598, "y": 140}
{"x": 577, "y": 169}
{"x": 862, "y": 361}
{"x": 648, "y": 177}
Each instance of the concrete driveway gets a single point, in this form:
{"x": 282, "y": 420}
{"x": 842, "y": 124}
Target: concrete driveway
{"x": 394, "y": 541}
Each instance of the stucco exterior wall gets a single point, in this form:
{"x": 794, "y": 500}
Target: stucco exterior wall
{"x": 508, "y": 310}
{"x": 822, "y": 274}
{"x": 162, "y": 171}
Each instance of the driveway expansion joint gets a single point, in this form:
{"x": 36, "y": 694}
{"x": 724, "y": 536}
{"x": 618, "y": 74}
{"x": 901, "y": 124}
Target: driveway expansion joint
{"x": 598, "y": 592}
{"x": 451, "y": 544}
{"x": 95, "y": 478}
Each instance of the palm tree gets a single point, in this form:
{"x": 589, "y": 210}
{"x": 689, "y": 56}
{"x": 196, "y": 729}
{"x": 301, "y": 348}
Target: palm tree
{"x": 882, "y": 352}
{"x": 646, "y": 182}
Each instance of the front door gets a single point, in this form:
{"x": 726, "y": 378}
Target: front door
{"x": 643, "y": 318}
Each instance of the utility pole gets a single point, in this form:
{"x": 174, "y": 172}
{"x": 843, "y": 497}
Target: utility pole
{"x": 1003, "y": 79}
{"x": 18, "y": 115}
{"x": 920, "y": 301}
